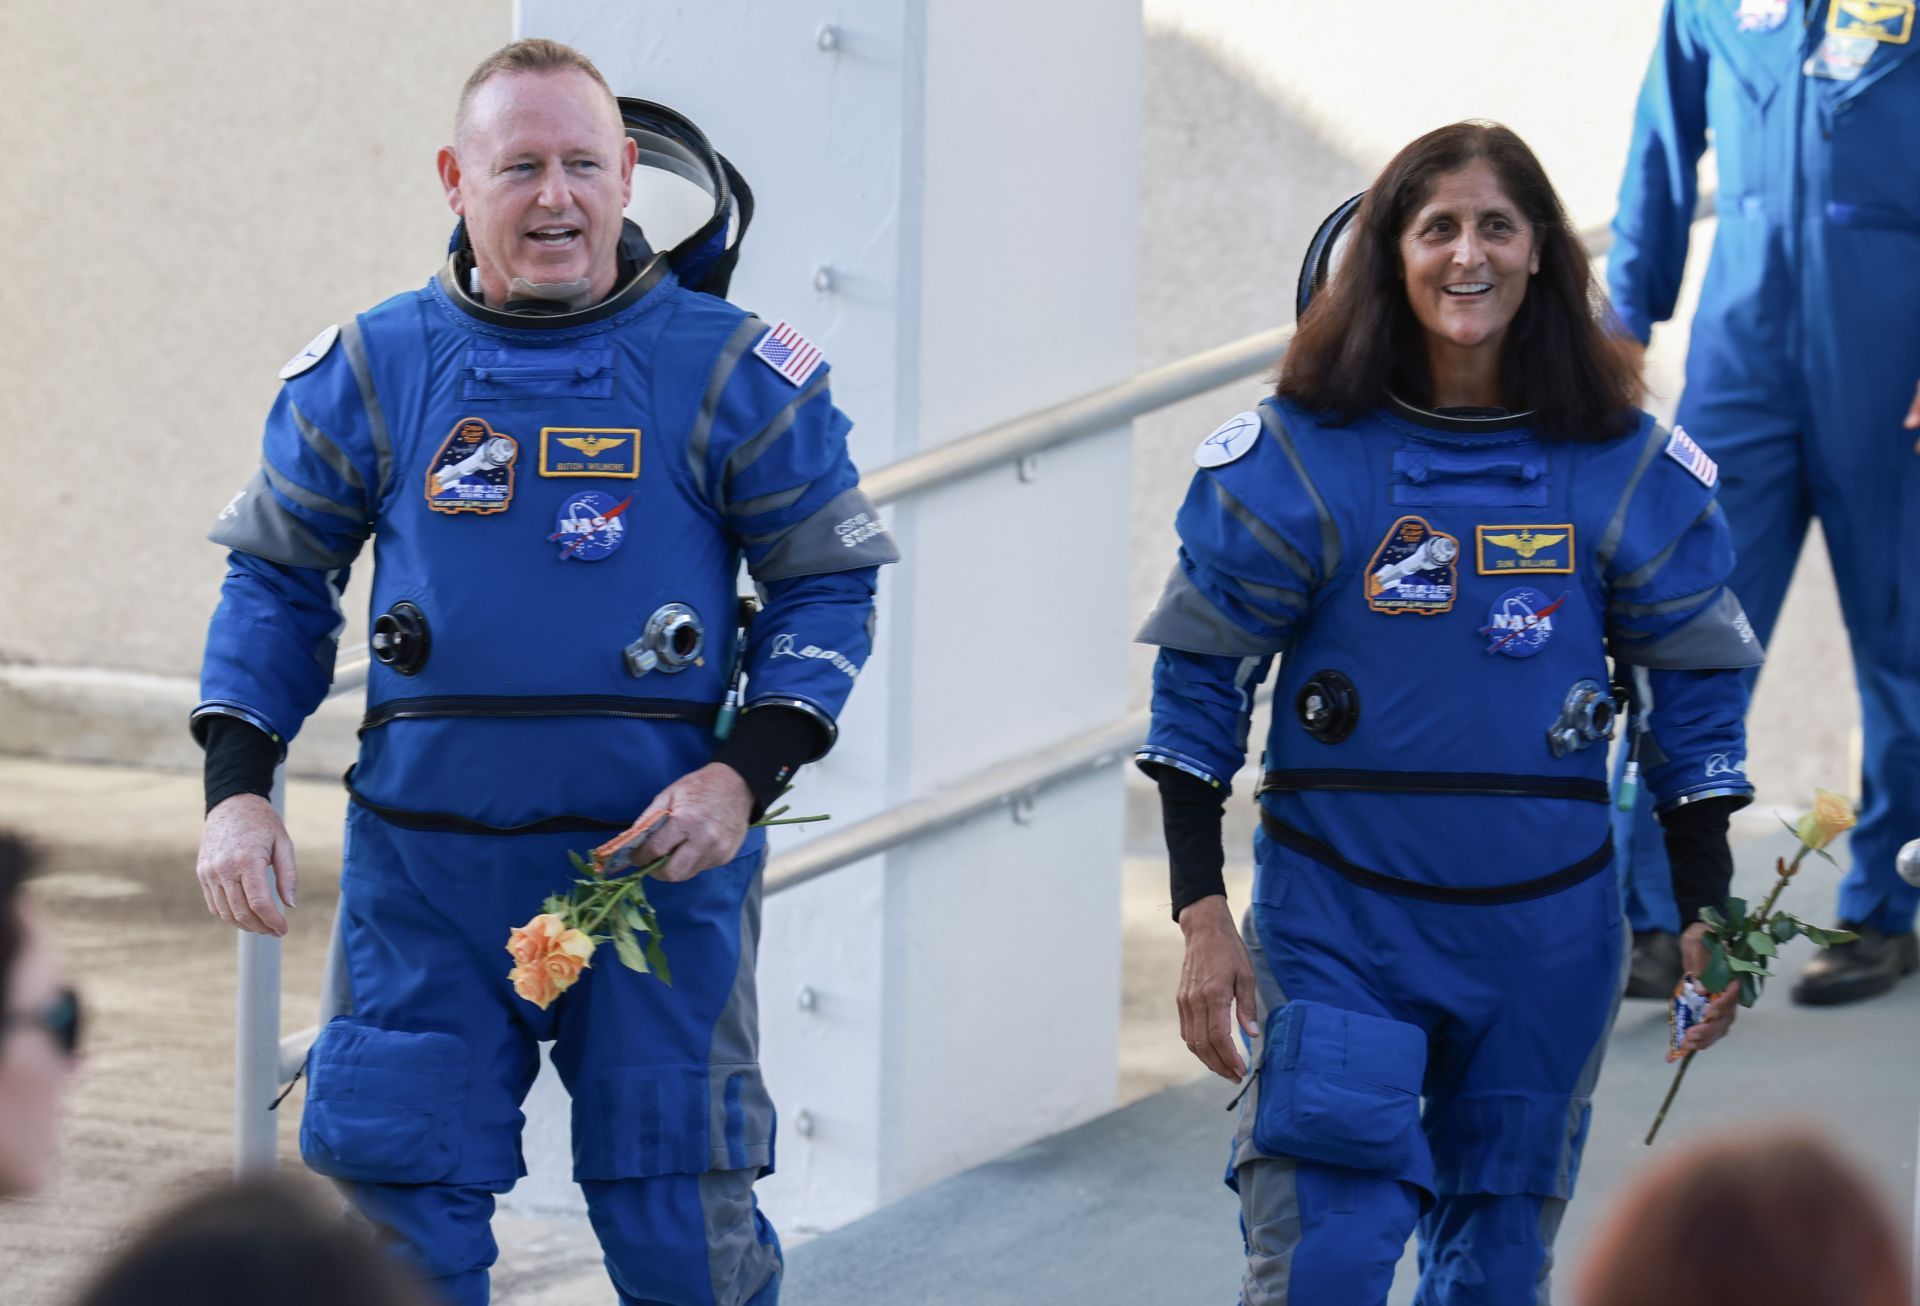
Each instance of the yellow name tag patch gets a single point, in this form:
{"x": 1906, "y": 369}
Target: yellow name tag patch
{"x": 589, "y": 451}
{"x": 1878, "y": 20}
{"x": 1507, "y": 550}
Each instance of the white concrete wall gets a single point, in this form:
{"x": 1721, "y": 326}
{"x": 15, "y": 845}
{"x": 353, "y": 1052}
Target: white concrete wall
{"x": 963, "y": 992}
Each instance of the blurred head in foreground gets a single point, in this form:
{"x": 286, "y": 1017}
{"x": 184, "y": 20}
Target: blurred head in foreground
{"x": 39, "y": 1029}
{"x": 1740, "y": 1221}
{"x": 260, "y": 1240}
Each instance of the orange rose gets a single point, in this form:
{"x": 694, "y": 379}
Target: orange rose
{"x": 549, "y": 957}
{"x": 1831, "y": 817}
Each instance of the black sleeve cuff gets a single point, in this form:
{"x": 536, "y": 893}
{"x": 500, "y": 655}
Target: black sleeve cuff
{"x": 1696, "y": 839}
{"x": 240, "y": 758}
{"x": 767, "y": 745}
{"x": 1192, "y": 813}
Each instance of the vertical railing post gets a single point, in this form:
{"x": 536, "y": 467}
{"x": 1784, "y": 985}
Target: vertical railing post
{"x": 256, "y": 1079}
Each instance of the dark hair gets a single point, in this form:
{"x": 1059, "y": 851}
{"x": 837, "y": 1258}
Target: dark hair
{"x": 1776, "y": 1221}
{"x": 1359, "y": 339}
{"x": 18, "y": 860}
{"x": 259, "y": 1240}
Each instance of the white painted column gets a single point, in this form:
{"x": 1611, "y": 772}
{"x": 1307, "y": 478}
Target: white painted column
{"x": 947, "y": 193}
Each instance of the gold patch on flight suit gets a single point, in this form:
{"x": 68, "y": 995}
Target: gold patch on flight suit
{"x": 1510, "y": 550}
{"x": 590, "y": 451}
{"x": 1890, "y": 21}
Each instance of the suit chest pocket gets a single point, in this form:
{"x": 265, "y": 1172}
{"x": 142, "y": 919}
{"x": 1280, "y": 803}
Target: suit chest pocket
{"x": 566, "y": 372}
{"x": 1509, "y": 478}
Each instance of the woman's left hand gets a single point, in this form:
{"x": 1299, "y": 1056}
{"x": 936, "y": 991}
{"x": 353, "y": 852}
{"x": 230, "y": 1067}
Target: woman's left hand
{"x": 1722, "y": 1007}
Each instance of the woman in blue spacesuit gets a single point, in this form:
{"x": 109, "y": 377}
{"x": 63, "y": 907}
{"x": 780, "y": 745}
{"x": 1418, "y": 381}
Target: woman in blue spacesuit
{"x": 1445, "y": 522}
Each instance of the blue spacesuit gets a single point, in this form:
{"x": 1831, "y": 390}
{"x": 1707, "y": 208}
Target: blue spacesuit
{"x": 1431, "y": 916}
{"x": 559, "y": 506}
{"x": 1805, "y": 345}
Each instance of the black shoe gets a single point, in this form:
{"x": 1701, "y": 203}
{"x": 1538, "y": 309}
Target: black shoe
{"x": 1655, "y": 968}
{"x": 1847, "y": 972}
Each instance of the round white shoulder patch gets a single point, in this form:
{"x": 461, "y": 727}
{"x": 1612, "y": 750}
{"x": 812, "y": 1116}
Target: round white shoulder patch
{"x": 315, "y": 351}
{"x": 1231, "y": 440}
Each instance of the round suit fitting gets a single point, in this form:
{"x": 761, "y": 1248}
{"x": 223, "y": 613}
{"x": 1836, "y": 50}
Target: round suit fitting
{"x": 400, "y": 638}
{"x": 672, "y": 640}
{"x": 1328, "y": 706}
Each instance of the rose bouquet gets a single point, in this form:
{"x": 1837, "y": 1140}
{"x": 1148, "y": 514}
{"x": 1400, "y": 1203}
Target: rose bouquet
{"x": 607, "y": 904}
{"x": 1740, "y": 943}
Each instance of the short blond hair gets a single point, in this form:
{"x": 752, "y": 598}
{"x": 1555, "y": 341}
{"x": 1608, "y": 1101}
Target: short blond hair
{"x": 533, "y": 54}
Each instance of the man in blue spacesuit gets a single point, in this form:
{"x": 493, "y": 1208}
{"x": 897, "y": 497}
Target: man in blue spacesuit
{"x": 1801, "y": 380}
{"x": 562, "y": 451}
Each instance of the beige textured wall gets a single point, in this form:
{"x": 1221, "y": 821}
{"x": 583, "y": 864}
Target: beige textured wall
{"x": 194, "y": 190}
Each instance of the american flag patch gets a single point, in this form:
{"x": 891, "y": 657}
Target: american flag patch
{"x": 1682, "y": 449}
{"x": 789, "y": 353}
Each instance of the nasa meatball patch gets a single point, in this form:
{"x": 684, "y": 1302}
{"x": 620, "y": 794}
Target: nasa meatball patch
{"x": 1415, "y": 569}
{"x": 1520, "y": 622}
{"x": 589, "y": 526}
{"x": 1230, "y": 441}
{"x": 473, "y": 472}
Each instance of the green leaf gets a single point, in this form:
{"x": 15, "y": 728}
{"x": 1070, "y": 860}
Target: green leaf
{"x": 658, "y": 956}
{"x": 629, "y": 951}
{"x": 1784, "y": 928}
{"x": 1712, "y": 916}
{"x": 1718, "y": 973}
{"x": 1792, "y": 829}
{"x": 636, "y": 920}
{"x": 580, "y": 863}
{"x": 1825, "y": 856}
{"x": 1761, "y": 944}
{"x": 554, "y": 905}
{"x": 1736, "y": 910}
{"x": 1741, "y": 966}
{"x": 1750, "y": 990}
{"x": 1839, "y": 936}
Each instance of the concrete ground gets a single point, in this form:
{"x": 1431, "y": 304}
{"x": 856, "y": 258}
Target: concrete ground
{"x": 1126, "y": 1209}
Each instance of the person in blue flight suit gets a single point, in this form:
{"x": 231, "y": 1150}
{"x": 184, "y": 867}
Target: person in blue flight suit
{"x": 562, "y": 450}
{"x": 1801, "y": 381}
{"x": 1444, "y": 522}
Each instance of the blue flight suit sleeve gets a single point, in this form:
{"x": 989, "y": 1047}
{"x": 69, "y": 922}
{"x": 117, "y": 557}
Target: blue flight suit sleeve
{"x": 1674, "y": 622}
{"x": 293, "y": 532}
{"x": 1254, "y": 540}
{"x": 1654, "y": 220}
{"x": 775, "y": 466}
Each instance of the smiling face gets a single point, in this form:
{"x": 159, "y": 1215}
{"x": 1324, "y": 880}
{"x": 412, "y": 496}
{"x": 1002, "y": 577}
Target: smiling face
{"x": 1466, "y": 255}
{"x": 541, "y": 170}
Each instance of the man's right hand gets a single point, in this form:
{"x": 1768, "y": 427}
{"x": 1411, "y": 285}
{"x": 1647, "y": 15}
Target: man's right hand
{"x": 1215, "y": 979}
{"x": 243, "y": 839}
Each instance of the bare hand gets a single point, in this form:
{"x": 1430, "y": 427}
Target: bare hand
{"x": 1722, "y": 1008}
{"x": 708, "y": 814}
{"x": 1216, "y": 978}
{"x": 1913, "y": 415}
{"x": 244, "y": 839}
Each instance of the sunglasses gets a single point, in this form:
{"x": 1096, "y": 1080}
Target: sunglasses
{"x": 60, "y": 1018}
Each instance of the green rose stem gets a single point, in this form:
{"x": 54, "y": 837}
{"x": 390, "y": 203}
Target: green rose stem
{"x": 1760, "y": 923}
{"x": 1678, "y": 1075}
{"x": 611, "y": 901}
